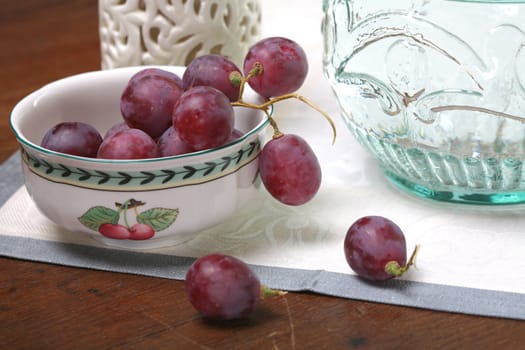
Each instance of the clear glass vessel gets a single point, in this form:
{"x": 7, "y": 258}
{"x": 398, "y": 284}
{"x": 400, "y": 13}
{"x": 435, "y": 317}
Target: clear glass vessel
{"x": 435, "y": 89}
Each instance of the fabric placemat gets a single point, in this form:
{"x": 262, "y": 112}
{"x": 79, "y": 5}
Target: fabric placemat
{"x": 275, "y": 245}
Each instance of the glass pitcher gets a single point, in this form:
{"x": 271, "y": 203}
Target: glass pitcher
{"x": 435, "y": 89}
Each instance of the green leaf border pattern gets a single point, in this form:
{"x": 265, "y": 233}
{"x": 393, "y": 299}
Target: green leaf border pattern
{"x": 142, "y": 180}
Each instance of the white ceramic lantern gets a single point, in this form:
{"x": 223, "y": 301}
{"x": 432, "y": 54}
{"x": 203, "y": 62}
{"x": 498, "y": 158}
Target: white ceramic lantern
{"x": 173, "y": 32}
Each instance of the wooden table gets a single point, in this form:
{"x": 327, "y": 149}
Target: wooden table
{"x": 44, "y": 306}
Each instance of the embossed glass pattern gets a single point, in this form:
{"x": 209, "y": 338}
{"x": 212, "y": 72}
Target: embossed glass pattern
{"x": 436, "y": 91}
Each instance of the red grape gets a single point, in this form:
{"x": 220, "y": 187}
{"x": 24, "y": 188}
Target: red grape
{"x": 115, "y": 128}
{"x": 284, "y": 66}
{"x": 170, "y": 144}
{"x": 148, "y": 99}
{"x": 236, "y": 134}
{"x": 371, "y": 243}
{"x": 290, "y": 170}
{"x": 157, "y": 71}
{"x": 203, "y": 117}
{"x": 128, "y": 144}
{"x": 75, "y": 138}
{"x": 222, "y": 287}
{"x": 214, "y": 71}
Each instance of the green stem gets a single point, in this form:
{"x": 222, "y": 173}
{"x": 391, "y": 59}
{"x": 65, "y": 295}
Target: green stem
{"x": 269, "y": 292}
{"x": 394, "y": 269}
{"x": 256, "y": 69}
{"x": 276, "y": 132}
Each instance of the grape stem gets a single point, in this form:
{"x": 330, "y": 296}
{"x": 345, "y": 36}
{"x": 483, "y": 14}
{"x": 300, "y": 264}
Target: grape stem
{"x": 269, "y": 292}
{"x": 258, "y": 69}
{"x": 276, "y": 132}
{"x": 393, "y": 268}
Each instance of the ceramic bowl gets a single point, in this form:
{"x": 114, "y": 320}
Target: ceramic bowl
{"x": 177, "y": 196}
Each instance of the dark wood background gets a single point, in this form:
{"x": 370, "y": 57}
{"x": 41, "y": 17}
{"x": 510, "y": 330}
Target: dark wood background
{"x": 44, "y": 306}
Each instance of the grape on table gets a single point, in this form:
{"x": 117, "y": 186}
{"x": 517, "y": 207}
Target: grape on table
{"x": 222, "y": 287}
{"x": 371, "y": 243}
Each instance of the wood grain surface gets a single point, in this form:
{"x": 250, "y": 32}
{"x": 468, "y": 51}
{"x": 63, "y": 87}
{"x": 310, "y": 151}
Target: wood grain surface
{"x": 45, "y": 306}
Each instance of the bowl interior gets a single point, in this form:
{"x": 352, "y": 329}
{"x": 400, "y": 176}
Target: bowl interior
{"x": 94, "y": 98}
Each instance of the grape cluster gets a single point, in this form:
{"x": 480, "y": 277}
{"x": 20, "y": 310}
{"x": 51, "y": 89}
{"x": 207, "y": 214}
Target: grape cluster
{"x": 165, "y": 115}
{"x": 162, "y": 115}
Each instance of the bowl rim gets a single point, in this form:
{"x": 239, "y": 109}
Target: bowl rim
{"x": 23, "y": 141}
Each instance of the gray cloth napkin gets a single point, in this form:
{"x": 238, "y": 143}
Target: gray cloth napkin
{"x": 396, "y": 292}
{"x": 10, "y": 177}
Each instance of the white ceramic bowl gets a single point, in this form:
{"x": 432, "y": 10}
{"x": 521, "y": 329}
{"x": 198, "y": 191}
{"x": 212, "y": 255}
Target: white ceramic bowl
{"x": 178, "y": 196}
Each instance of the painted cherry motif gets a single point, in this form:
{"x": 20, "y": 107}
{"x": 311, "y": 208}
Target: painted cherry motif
{"x": 140, "y": 231}
{"x": 106, "y": 220}
{"x": 115, "y": 231}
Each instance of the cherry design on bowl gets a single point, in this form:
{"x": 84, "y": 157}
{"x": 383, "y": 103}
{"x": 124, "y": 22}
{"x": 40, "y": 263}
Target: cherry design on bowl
{"x": 115, "y": 224}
